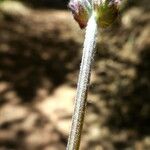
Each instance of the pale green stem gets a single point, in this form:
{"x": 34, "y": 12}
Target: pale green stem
{"x": 83, "y": 84}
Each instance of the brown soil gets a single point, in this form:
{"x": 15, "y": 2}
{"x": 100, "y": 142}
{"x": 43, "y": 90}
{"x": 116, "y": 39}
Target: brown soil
{"x": 40, "y": 52}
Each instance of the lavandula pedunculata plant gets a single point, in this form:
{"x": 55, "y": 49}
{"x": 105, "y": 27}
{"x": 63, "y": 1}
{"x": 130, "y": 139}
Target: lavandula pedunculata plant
{"x": 90, "y": 14}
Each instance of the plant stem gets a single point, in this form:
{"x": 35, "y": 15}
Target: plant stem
{"x": 83, "y": 83}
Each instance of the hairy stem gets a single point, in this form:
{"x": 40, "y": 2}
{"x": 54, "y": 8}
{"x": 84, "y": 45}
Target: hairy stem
{"x": 83, "y": 83}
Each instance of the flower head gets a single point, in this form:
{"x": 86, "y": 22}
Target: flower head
{"x": 106, "y": 11}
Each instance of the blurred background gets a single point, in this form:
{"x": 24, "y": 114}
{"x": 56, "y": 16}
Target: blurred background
{"x": 40, "y": 53}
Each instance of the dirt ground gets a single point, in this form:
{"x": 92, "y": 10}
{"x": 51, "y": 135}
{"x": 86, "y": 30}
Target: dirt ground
{"x": 40, "y": 53}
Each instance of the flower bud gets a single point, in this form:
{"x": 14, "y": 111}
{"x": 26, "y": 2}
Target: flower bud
{"x": 81, "y": 10}
{"x": 106, "y": 11}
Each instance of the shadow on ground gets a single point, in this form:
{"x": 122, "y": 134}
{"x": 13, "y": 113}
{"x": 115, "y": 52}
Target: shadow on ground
{"x": 34, "y": 61}
{"x": 40, "y": 52}
{"x": 58, "y": 4}
{"x": 27, "y": 58}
